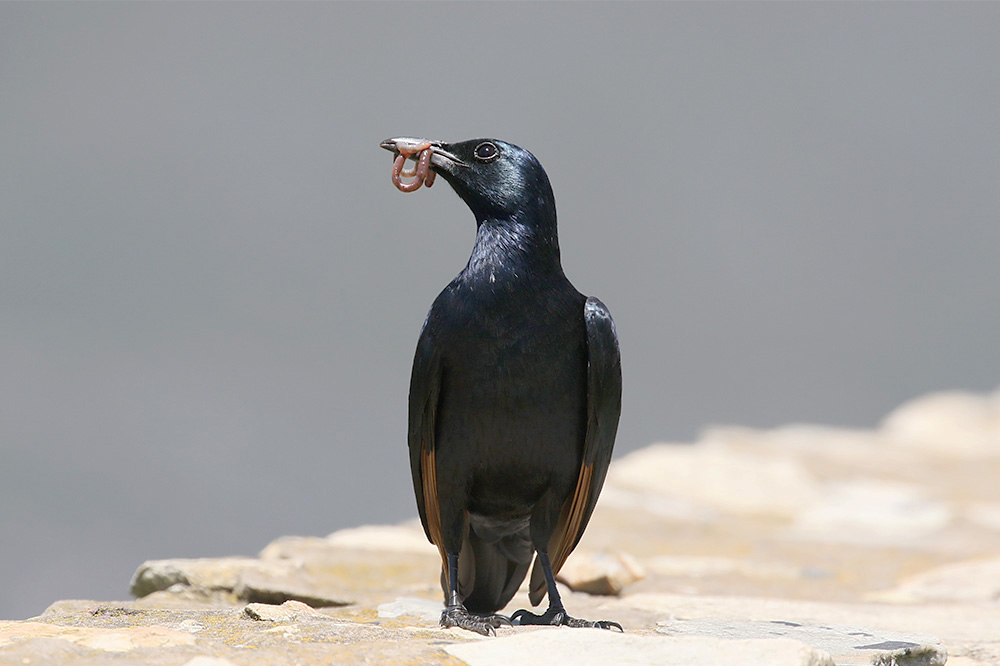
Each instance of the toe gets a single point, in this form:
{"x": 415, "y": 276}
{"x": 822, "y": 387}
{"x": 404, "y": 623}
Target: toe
{"x": 461, "y": 618}
{"x": 499, "y": 621}
{"x": 521, "y": 617}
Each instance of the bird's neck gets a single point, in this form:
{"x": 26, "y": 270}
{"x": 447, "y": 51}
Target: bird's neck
{"x": 512, "y": 247}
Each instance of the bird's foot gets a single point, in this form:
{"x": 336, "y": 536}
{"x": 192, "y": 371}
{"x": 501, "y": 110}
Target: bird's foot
{"x": 557, "y": 617}
{"x": 458, "y": 616}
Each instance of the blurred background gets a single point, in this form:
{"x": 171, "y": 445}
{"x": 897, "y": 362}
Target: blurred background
{"x": 210, "y": 292}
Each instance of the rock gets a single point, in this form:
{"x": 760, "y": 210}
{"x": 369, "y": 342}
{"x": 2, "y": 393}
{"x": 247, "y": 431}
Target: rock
{"x": 183, "y": 596}
{"x": 209, "y": 661}
{"x": 30, "y": 650}
{"x": 984, "y": 514}
{"x": 115, "y": 611}
{"x": 289, "y": 611}
{"x": 699, "y": 567}
{"x": 922, "y": 655}
{"x": 191, "y": 626}
{"x": 846, "y": 644}
{"x": 83, "y": 638}
{"x": 342, "y": 572}
{"x": 966, "y": 661}
{"x": 775, "y": 546}
{"x": 717, "y": 478}
{"x": 653, "y": 502}
{"x": 262, "y": 586}
{"x": 407, "y": 538}
{"x": 250, "y": 580}
{"x": 970, "y": 581}
{"x": 601, "y": 572}
{"x": 118, "y": 639}
{"x": 205, "y": 574}
{"x": 952, "y": 424}
{"x": 968, "y": 628}
{"x": 827, "y": 441}
{"x": 872, "y": 509}
{"x": 429, "y": 611}
{"x": 157, "y": 575}
{"x": 597, "y": 647}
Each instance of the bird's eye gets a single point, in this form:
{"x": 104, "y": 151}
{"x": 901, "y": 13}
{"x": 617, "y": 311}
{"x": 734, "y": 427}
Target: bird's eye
{"x": 487, "y": 151}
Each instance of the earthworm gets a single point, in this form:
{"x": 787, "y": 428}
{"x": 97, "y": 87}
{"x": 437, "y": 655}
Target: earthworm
{"x": 421, "y": 173}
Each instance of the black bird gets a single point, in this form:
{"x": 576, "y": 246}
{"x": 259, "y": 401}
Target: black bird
{"x": 515, "y": 393}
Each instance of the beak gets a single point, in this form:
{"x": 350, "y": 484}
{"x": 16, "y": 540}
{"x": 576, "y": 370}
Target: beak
{"x": 409, "y": 146}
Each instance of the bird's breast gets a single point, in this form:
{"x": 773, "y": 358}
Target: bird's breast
{"x": 512, "y": 408}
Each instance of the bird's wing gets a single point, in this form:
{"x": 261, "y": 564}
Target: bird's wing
{"x": 425, "y": 385}
{"x": 604, "y": 401}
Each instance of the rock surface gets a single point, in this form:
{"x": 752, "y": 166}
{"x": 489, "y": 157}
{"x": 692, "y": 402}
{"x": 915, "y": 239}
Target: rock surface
{"x": 601, "y": 573}
{"x": 798, "y": 545}
{"x": 593, "y": 647}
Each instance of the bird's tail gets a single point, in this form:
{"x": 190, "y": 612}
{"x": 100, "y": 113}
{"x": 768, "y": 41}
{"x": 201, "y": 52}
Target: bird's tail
{"x": 489, "y": 573}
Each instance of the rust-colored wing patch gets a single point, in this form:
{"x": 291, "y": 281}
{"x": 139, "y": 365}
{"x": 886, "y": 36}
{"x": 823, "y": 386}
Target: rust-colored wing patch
{"x": 571, "y": 523}
{"x": 568, "y": 531}
{"x": 428, "y": 474}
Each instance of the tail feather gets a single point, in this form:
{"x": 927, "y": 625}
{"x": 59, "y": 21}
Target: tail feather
{"x": 488, "y": 578}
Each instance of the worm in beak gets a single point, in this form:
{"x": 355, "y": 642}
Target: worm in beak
{"x": 421, "y": 173}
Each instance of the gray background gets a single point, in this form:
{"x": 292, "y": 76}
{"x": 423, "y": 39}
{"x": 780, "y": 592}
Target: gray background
{"x": 210, "y": 291}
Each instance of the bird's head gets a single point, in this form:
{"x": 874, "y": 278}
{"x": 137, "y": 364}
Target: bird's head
{"x": 496, "y": 179}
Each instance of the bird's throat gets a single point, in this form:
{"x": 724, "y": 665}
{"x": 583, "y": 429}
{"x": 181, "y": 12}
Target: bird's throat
{"x": 507, "y": 248}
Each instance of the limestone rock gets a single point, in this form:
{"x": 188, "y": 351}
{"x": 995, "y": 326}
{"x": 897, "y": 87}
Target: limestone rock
{"x": 984, "y": 514}
{"x": 202, "y": 660}
{"x": 250, "y": 580}
{"x": 118, "y": 639}
{"x": 872, "y": 509}
{"x": 32, "y": 650}
{"x": 408, "y": 538}
{"x": 717, "y": 478}
{"x": 263, "y": 586}
{"x": 699, "y": 567}
{"x": 773, "y": 546}
{"x": 221, "y": 573}
{"x": 289, "y": 611}
{"x": 600, "y": 572}
{"x": 421, "y": 608}
{"x": 968, "y": 661}
{"x": 846, "y": 644}
{"x": 597, "y": 647}
{"x": 951, "y": 423}
{"x": 969, "y": 628}
{"x": 973, "y": 580}
{"x": 796, "y": 438}
{"x": 922, "y": 655}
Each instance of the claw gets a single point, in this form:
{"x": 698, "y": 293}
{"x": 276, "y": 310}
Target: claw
{"x": 498, "y": 620}
{"x": 458, "y": 616}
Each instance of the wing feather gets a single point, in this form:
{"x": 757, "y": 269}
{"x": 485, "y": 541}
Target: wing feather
{"x": 604, "y": 395}
{"x": 425, "y": 388}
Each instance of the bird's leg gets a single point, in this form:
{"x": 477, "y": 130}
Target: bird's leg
{"x": 556, "y": 614}
{"x": 456, "y": 615}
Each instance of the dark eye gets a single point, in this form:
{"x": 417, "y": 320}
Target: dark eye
{"x": 487, "y": 151}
